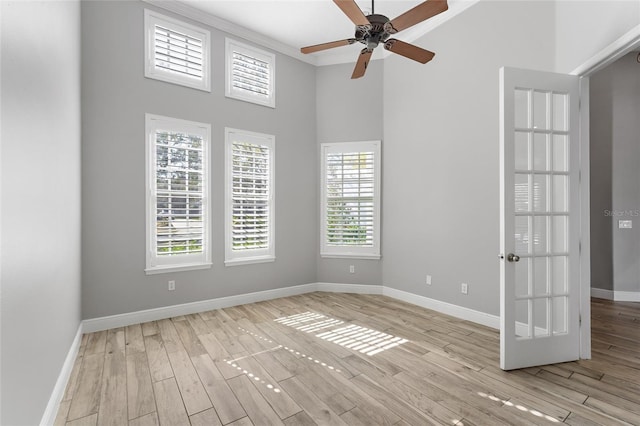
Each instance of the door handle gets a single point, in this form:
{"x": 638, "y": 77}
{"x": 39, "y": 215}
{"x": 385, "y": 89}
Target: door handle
{"x": 513, "y": 257}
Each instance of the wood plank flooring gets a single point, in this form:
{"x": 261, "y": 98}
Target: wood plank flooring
{"x": 335, "y": 359}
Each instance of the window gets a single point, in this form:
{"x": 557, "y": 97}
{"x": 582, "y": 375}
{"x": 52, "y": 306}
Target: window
{"x": 249, "y": 197}
{"x": 250, "y": 74}
{"x": 177, "y": 194}
{"x": 350, "y": 214}
{"x": 176, "y": 52}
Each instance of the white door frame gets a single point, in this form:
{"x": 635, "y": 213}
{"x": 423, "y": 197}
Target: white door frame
{"x": 625, "y": 44}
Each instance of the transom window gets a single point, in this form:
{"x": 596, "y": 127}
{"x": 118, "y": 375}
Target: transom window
{"x": 176, "y": 52}
{"x": 250, "y": 74}
{"x": 351, "y": 200}
{"x": 177, "y": 200}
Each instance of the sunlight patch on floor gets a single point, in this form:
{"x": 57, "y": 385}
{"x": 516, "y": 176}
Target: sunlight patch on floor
{"x": 355, "y": 337}
{"x": 309, "y": 321}
{"x": 361, "y": 339}
{"x": 520, "y": 407}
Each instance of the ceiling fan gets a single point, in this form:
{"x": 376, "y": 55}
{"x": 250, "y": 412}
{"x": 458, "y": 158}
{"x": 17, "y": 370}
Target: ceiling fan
{"x": 374, "y": 29}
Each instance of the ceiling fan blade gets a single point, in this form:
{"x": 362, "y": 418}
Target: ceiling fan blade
{"x": 361, "y": 65}
{"x": 420, "y": 13}
{"x": 329, "y": 45}
{"x": 409, "y": 50}
{"x": 351, "y": 9}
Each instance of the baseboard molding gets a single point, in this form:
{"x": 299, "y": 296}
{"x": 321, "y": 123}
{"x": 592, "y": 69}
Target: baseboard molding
{"x": 123, "y": 320}
{"x": 461, "y": 312}
{"x": 601, "y": 293}
{"x": 615, "y": 295}
{"x": 349, "y": 288}
{"x": 50, "y": 413}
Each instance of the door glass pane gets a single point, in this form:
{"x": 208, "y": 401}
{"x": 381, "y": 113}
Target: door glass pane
{"x": 559, "y": 234}
{"x": 522, "y": 232}
{"x": 541, "y": 110}
{"x": 560, "y": 153}
{"x": 540, "y": 193}
{"x": 522, "y": 151}
{"x": 540, "y": 153}
{"x": 560, "y": 315}
{"x": 522, "y": 103}
{"x": 560, "y": 112}
{"x": 559, "y": 274}
{"x": 540, "y": 229}
{"x": 541, "y": 276}
{"x": 540, "y": 312}
{"x": 522, "y": 319}
{"x": 522, "y": 193}
{"x": 523, "y": 274}
{"x": 560, "y": 194}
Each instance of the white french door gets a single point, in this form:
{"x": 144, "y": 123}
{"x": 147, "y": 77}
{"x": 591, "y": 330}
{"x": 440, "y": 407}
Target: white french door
{"x": 540, "y": 218}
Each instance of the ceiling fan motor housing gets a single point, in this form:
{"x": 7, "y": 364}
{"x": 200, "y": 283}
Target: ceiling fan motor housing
{"x": 375, "y": 33}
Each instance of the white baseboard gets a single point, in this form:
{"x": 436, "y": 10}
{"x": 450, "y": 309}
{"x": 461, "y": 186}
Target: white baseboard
{"x": 615, "y": 295}
{"x": 601, "y": 293}
{"x": 50, "y": 413}
{"x": 626, "y": 296}
{"x": 122, "y": 320}
{"x": 483, "y": 318}
{"x": 349, "y": 288}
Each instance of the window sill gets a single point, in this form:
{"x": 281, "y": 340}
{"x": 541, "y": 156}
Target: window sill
{"x": 249, "y": 260}
{"x": 350, "y": 256}
{"x": 176, "y": 268}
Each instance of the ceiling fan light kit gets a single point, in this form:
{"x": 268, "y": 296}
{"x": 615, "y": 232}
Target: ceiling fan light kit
{"x": 373, "y": 29}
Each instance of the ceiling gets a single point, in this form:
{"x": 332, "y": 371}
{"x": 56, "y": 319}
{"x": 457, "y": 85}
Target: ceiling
{"x": 288, "y": 25}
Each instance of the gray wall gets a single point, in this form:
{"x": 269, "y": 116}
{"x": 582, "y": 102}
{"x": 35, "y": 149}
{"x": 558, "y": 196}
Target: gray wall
{"x": 40, "y": 198}
{"x": 115, "y": 98}
{"x": 584, "y": 28}
{"x": 601, "y": 174}
{"x": 615, "y": 176}
{"x": 349, "y": 111}
{"x": 441, "y": 164}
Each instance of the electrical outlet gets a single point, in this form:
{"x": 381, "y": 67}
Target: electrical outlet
{"x": 464, "y": 288}
{"x": 172, "y": 285}
{"x": 352, "y": 269}
{"x": 428, "y": 279}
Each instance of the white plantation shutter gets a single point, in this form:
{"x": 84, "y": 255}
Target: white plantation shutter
{"x": 350, "y": 198}
{"x": 177, "y": 204}
{"x": 250, "y": 180}
{"x": 178, "y": 195}
{"x": 350, "y": 205}
{"x": 250, "y": 74}
{"x": 249, "y": 197}
{"x": 176, "y": 52}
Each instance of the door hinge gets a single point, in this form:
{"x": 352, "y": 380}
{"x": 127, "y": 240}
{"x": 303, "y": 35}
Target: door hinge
{"x": 580, "y": 320}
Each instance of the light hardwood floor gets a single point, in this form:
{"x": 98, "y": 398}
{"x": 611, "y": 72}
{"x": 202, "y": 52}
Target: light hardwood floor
{"x": 329, "y": 359}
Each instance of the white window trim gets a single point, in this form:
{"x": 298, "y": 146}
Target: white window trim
{"x": 155, "y": 264}
{"x": 250, "y": 256}
{"x": 151, "y": 18}
{"x": 327, "y": 251}
{"x": 263, "y": 55}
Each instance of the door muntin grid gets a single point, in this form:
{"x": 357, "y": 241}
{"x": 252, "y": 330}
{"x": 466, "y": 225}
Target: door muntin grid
{"x": 541, "y": 194}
